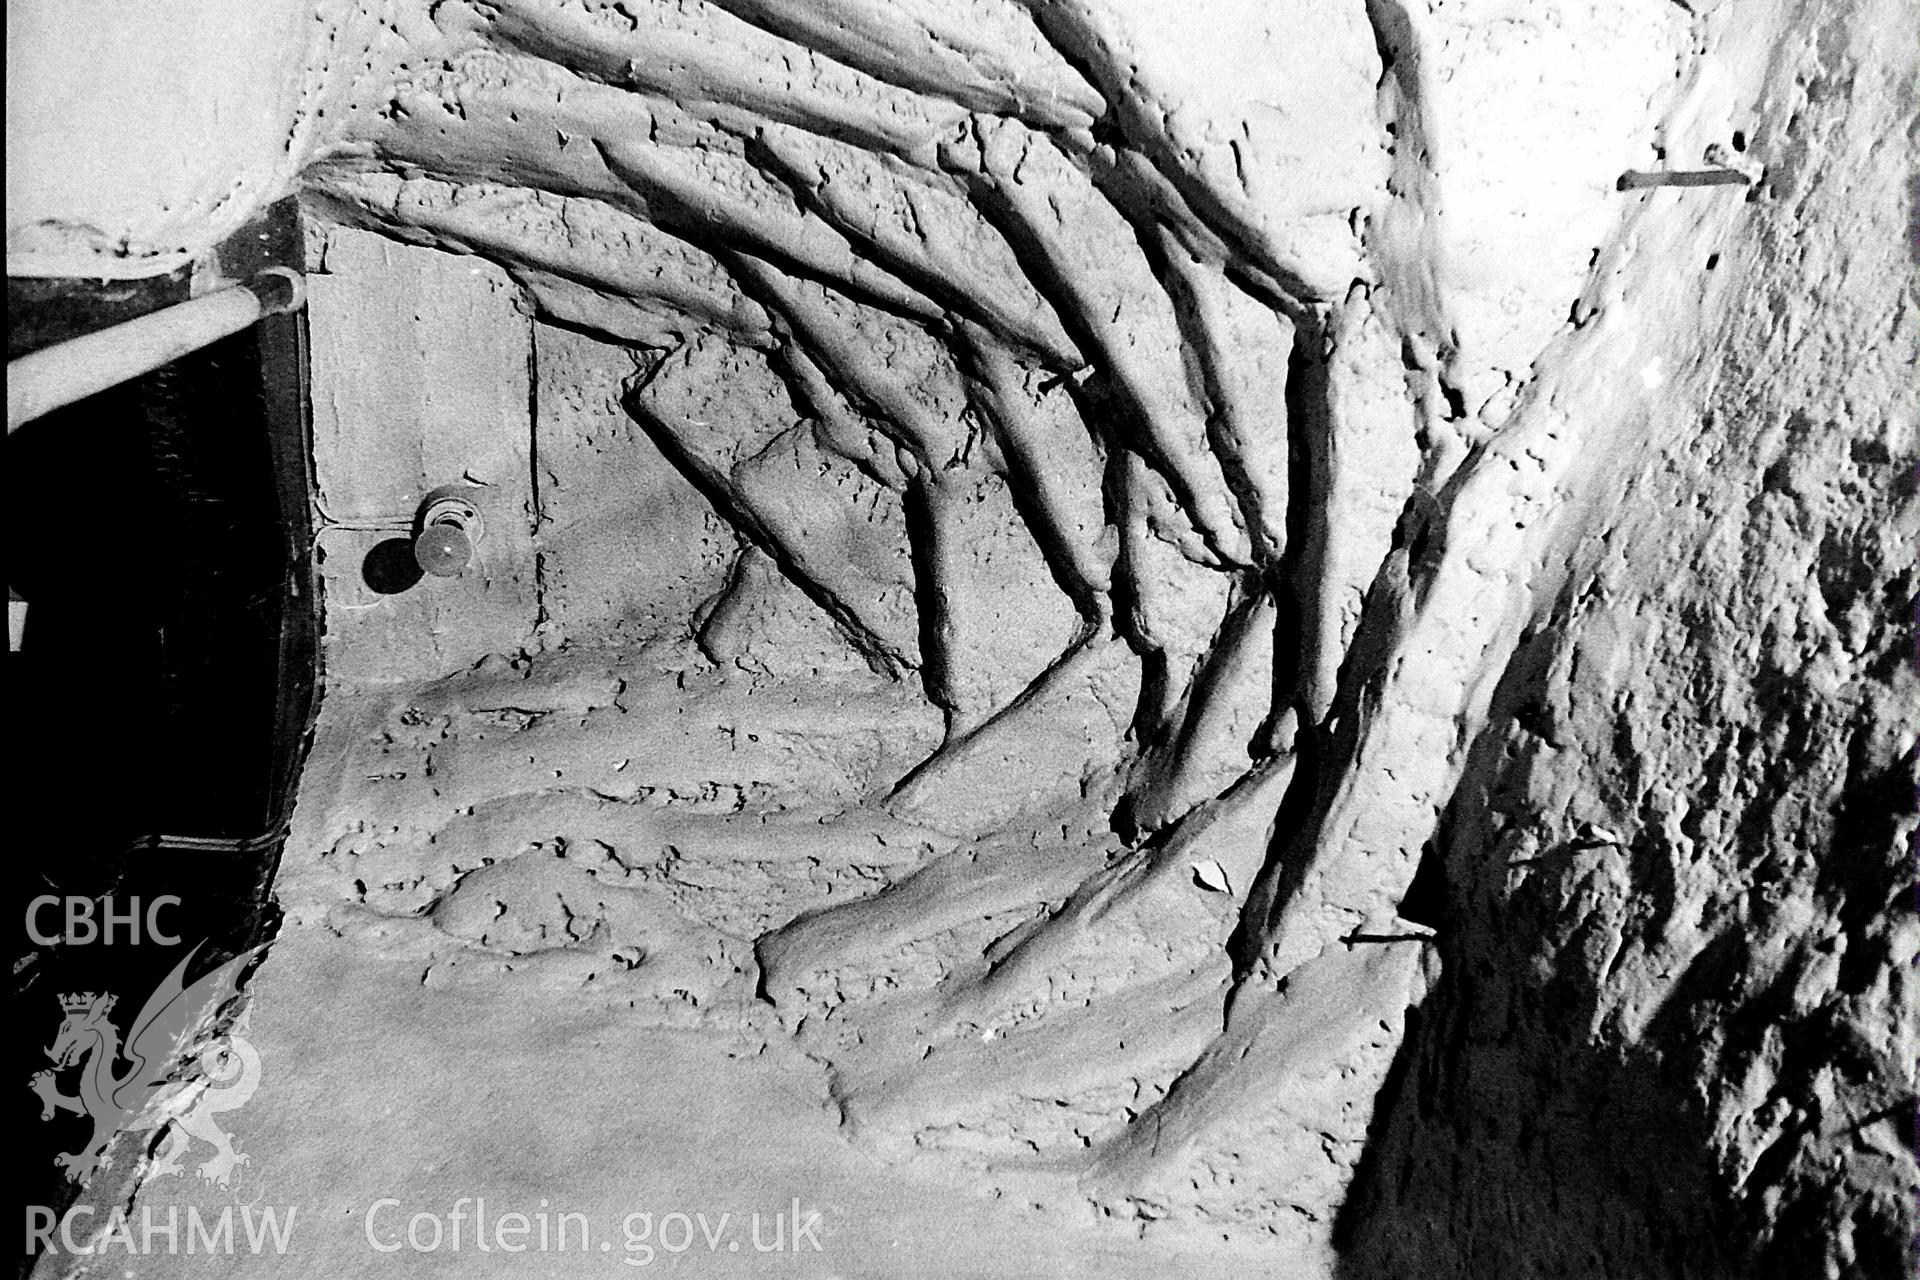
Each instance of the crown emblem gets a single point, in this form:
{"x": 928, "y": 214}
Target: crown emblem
{"x": 81, "y": 1001}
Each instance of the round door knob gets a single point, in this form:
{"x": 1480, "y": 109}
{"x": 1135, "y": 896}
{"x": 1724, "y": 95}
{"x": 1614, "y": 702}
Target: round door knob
{"x": 442, "y": 550}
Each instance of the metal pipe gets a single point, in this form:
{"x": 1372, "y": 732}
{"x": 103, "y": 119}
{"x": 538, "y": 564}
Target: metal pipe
{"x": 1636, "y": 178}
{"x": 80, "y": 367}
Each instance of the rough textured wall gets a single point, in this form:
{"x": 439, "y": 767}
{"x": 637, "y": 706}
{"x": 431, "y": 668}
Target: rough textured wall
{"x": 1416, "y": 755}
{"x": 1675, "y": 894}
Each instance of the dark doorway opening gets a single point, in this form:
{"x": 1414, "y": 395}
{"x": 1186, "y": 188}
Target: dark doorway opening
{"x": 166, "y": 676}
